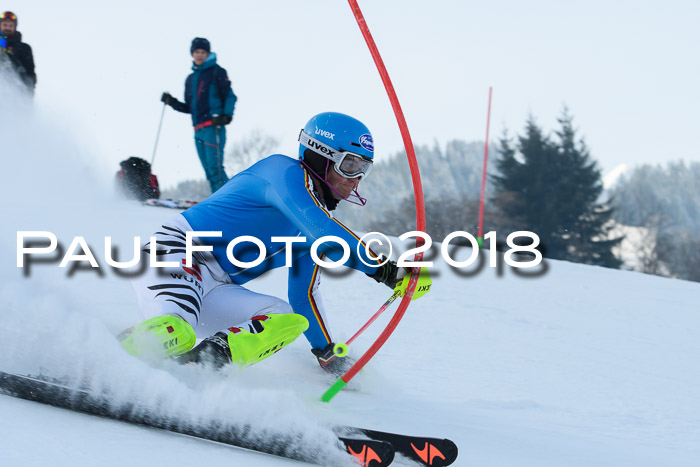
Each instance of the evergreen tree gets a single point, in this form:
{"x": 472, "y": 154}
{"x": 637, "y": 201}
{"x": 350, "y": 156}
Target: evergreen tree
{"x": 551, "y": 188}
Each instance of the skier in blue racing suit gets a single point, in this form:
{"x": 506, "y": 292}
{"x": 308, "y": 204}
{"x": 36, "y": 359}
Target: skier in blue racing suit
{"x": 276, "y": 197}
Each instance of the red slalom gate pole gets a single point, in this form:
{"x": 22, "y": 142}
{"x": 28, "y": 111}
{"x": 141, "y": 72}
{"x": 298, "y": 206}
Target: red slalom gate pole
{"x": 483, "y": 178}
{"x": 420, "y": 210}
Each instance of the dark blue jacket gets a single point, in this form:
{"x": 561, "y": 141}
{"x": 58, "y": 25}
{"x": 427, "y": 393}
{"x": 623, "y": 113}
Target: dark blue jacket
{"x": 22, "y": 59}
{"x": 207, "y": 92}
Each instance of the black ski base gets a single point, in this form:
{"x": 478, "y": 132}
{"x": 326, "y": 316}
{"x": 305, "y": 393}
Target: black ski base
{"x": 370, "y": 448}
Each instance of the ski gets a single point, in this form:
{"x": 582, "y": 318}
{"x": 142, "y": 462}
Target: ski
{"x": 434, "y": 452}
{"x": 369, "y": 452}
{"x": 170, "y": 203}
{"x": 57, "y": 393}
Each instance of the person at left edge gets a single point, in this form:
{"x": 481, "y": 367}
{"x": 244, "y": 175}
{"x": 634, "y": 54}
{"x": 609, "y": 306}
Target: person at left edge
{"x": 19, "y": 53}
{"x": 210, "y": 100}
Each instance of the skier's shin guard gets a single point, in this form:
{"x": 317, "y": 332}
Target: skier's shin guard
{"x": 161, "y": 336}
{"x": 279, "y": 331}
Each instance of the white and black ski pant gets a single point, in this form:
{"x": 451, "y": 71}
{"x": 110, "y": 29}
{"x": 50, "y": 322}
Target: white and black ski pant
{"x": 203, "y": 295}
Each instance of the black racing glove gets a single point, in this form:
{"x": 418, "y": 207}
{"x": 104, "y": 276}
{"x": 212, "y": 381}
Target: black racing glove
{"x": 221, "y": 120}
{"x": 386, "y": 274}
{"x": 167, "y": 99}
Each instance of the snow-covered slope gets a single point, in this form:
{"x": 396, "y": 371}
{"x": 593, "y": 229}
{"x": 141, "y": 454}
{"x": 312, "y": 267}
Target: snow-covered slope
{"x": 581, "y": 366}
{"x": 577, "y": 366}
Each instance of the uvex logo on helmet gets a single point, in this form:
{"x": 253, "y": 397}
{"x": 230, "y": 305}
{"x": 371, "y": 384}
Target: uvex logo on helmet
{"x": 324, "y": 133}
{"x": 367, "y": 142}
{"x": 316, "y": 146}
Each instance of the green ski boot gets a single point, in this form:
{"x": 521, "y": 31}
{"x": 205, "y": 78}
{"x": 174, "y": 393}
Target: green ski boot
{"x": 248, "y": 343}
{"x": 158, "y": 337}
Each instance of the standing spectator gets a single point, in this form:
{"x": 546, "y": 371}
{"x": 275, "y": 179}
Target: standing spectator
{"x": 210, "y": 100}
{"x": 19, "y": 53}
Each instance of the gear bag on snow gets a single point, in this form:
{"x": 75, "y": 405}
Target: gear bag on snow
{"x": 135, "y": 180}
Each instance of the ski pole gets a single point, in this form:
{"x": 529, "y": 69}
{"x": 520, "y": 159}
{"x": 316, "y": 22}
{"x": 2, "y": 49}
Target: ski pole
{"x": 341, "y": 349}
{"x": 160, "y": 124}
{"x": 219, "y": 163}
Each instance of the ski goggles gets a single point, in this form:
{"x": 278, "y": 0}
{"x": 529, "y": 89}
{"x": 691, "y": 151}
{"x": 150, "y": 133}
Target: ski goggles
{"x": 8, "y": 15}
{"x": 347, "y": 164}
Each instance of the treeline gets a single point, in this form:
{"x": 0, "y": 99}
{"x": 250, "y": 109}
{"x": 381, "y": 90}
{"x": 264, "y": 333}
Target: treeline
{"x": 544, "y": 184}
{"x": 547, "y": 183}
{"x": 451, "y": 177}
{"x": 451, "y": 181}
{"x": 663, "y": 202}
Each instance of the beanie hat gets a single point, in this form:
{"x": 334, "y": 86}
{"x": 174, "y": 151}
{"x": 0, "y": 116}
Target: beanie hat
{"x": 9, "y": 15}
{"x": 200, "y": 43}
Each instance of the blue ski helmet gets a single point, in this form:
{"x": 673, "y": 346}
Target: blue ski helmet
{"x": 333, "y": 135}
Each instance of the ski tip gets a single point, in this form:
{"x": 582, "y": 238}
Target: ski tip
{"x": 435, "y": 453}
{"x": 369, "y": 452}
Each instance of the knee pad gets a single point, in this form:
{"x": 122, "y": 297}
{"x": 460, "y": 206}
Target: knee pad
{"x": 278, "y": 331}
{"x": 158, "y": 337}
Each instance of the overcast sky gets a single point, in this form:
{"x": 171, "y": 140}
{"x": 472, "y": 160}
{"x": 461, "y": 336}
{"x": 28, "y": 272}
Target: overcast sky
{"x": 628, "y": 71}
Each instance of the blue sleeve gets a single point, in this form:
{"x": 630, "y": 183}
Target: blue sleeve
{"x": 181, "y": 107}
{"x": 184, "y": 107}
{"x": 304, "y": 279}
{"x": 291, "y": 193}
